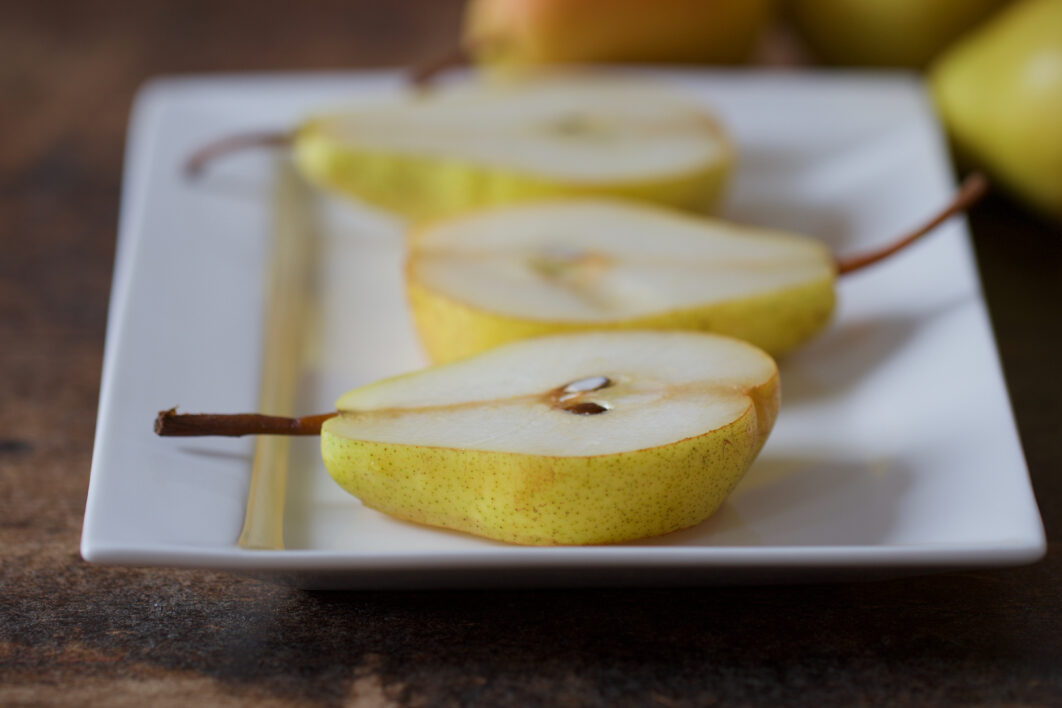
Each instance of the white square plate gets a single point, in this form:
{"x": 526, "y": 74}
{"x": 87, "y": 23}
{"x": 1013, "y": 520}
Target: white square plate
{"x": 895, "y": 451}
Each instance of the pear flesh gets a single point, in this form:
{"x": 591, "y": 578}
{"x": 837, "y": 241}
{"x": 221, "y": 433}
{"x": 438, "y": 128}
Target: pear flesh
{"x": 478, "y": 281}
{"x": 469, "y": 146}
{"x": 585, "y": 438}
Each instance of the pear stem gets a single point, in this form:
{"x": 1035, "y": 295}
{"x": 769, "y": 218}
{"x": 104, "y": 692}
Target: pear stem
{"x": 421, "y": 75}
{"x": 970, "y": 192}
{"x": 170, "y": 423}
{"x": 233, "y": 143}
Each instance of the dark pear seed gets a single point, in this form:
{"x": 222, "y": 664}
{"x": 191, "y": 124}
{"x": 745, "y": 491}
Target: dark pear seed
{"x": 586, "y": 408}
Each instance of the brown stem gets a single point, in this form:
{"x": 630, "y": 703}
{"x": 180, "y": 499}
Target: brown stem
{"x": 970, "y": 191}
{"x": 233, "y": 143}
{"x": 422, "y": 75}
{"x": 173, "y": 424}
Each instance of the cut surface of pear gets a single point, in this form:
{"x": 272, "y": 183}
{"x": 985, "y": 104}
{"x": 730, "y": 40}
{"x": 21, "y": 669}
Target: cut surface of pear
{"x": 504, "y": 274}
{"x": 584, "y": 438}
{"x": 473, "y": 145}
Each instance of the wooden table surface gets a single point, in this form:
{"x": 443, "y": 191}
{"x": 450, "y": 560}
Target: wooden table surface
{"x": 74, "y": 634}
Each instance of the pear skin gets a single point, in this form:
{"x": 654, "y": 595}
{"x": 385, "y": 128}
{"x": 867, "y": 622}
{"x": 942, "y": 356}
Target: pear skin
{"x": 895, "y": 33}
{"x": 999, "y": 92}
{"x": 512, "y": 34}
{"x": 777, "y": 322}
{"x": 425, "y": 188}
{"x": 534, "y": 500}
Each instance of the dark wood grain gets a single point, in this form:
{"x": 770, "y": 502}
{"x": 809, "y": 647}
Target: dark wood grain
{"x": 74, "y": 634}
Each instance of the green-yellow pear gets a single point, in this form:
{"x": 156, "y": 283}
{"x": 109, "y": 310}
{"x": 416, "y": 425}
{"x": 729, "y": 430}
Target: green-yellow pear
{"x": 571, "y": 439}
{"x": 477, "y": 144}
{"x": 484, "y": 279}
{"x": 999, "y": 92}
{"x": 597, "y": 437}
{"x": 499, "y": 275}
{"x": 510, "y": 34}
{"x": 901, "y": 33}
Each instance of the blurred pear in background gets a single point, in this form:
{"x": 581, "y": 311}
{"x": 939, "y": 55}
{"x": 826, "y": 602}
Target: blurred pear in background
{"x": 884, "y": 33}
{"x": 999, "y": 91}
{"x": 526, "y": 33}
{"x": 994, "y": 66}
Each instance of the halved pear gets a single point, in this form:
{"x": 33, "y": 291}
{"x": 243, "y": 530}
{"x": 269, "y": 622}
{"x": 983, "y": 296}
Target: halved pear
{"x": 474, "y": 145}
{"x": 584, "y": 438}
{"x": 481, "y": 280}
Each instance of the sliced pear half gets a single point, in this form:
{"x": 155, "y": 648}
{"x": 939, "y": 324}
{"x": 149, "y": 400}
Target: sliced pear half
{"x": 570, "y": 439}
{"x": 522, "y": 271}
{"x": 454, "y": 149}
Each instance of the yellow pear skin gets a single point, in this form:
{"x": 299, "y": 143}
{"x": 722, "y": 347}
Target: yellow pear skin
{"x": 627, "y": 492}
{"x": 423, "y": 188}
{"x": 533, "y": 500}
{"x": 510, "y": 34}
{"x": 999, "y": 92}
{"x": 884, "y": 33}
{"x": 777, "y": 322}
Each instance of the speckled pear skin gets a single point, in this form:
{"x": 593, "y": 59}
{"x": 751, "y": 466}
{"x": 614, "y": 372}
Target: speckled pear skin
{"x": 544, "y": 500}
{"x": 423, "y": 188}
{"x": 777, "y": 322}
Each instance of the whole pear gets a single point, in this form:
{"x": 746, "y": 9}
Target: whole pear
{"x": 522, "y": 33}
{"x": 903, "y": 33}
{"x": 999, "y": 92}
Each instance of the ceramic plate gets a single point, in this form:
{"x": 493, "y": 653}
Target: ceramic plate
{"x": 245, "y": 290}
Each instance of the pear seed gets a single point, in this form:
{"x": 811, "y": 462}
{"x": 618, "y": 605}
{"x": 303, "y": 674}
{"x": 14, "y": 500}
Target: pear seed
{"x": 586, "y": 408}
{"x": 590, "y": 383}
